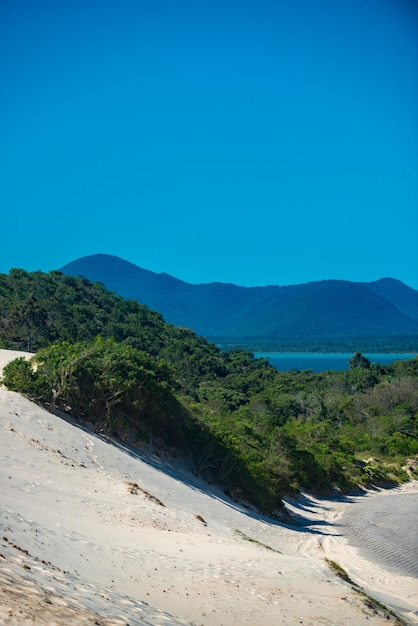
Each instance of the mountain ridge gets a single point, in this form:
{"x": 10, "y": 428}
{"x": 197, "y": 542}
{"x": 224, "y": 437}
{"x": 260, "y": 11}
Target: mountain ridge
{"x": 317, "y": 309}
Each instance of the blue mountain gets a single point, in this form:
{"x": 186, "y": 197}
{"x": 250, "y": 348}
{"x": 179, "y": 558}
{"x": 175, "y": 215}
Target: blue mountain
{"x": 315, "y": 310}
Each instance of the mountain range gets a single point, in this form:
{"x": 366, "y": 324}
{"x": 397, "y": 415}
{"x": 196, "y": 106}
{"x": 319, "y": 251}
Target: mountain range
{"x": 224, "y": 312}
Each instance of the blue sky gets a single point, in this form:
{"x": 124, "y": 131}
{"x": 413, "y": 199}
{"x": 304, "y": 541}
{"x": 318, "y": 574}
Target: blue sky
{"x": 255, "y": 142}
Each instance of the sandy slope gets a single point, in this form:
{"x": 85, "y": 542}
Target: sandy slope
{"x": 82, "y": 545}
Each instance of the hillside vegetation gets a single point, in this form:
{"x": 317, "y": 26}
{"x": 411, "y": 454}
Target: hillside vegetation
{"x": 117, "y": 367}
{"x": 345, "y": 315}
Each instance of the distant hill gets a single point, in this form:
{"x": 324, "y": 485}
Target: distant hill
{"x": 329, "y": 309}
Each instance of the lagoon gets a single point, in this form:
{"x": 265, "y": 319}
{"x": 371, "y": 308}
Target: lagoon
{"x": 323, "y": 361}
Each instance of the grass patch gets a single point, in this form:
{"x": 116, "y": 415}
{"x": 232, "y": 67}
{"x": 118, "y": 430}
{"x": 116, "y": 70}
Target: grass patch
{"x": 380, "y": 609}
{"x": 340, "y": 572}
{"x": 252, "y": 540}
{"x": 374, "y": 605}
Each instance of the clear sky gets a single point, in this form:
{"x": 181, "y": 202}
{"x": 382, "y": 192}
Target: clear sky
{"x": 254, "y": 141}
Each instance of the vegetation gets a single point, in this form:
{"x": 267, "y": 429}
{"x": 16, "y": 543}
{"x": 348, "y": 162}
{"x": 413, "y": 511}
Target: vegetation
{"x": 380, "y": 609}
{"x": 252, "y": 540}
{"x": 371, "y": 603}
{"x": 117, "y": 367}
{"x": 359, "y": 316}
{"x": 339, "y": 571}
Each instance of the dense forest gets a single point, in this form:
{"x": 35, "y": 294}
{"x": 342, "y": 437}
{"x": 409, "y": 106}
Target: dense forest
{"x": 372, "y": 317}
{"x": 118, "y": 368}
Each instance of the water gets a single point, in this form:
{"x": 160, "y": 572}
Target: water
{"x": 322, "y": 361}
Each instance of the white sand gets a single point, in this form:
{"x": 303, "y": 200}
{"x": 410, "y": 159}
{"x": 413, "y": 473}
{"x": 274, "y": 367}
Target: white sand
{"x": 78, "y": 548}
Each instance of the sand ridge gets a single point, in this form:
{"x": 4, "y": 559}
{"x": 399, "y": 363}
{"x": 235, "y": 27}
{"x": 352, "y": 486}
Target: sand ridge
{"x": 91, "y": 533}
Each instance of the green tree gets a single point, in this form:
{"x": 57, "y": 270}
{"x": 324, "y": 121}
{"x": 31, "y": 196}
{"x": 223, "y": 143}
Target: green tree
{"x": 358, "y": 360}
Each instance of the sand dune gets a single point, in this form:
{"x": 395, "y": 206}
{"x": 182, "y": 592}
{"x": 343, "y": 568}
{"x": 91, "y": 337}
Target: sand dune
{"x": 94, "y": 534}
